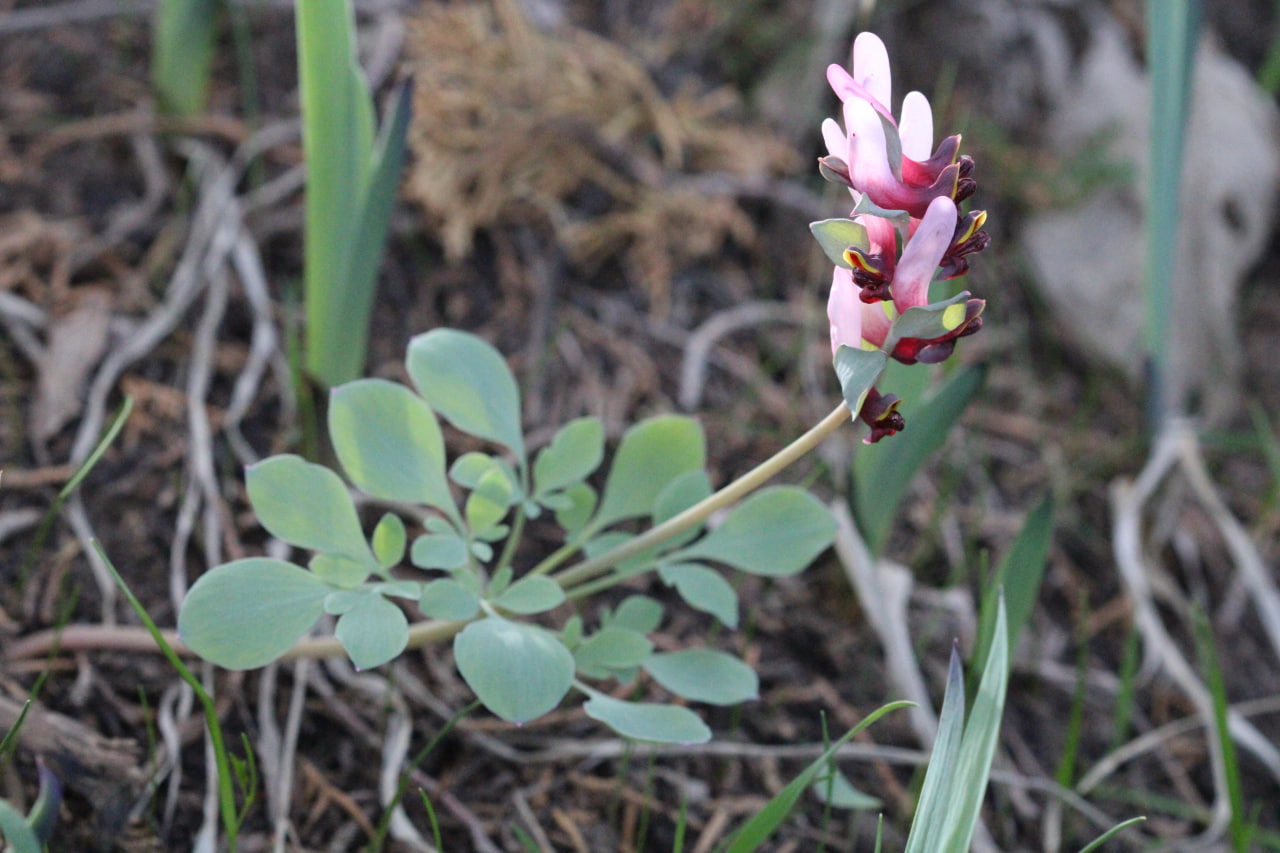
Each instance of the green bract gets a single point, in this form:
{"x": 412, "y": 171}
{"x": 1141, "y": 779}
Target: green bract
{"x": 452, "y": 520}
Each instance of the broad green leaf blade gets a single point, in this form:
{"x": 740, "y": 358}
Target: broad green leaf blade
{"x": 467, "y": 381}
{"x": 373, "y": 631}
{"x": 680, "y": 494}
{"x": 651, "y": 454}
{"x": 389, "y": 540}
{"x": 339, "y": 571}
{"x": 447, "y": 551}
{"x": 1018, "y": 579}
{"x": 940, "y": 778}
{"x": 518, "y": 671}
{"x": 837, "y": 235}
{"x": 882, "y": 472}
{"x": 648, "y": 721}
{"x": 757, "y": 830}
{"x": 609, "y": 650}
{"x": 703, "y": 588}
{"x": 534, "y": 594}
{"x": 582, "y": 505}
{"x": 306, "y": 505}
{"x": 637, "y": 612}
{"x": 448, "y": 600}
{"x": 858, "y": 370}
{"x": 573, "y": 454}
{"x": 839, "y": 793}
{"x": 182, "y": 54}
{"x": 775, "y": 532}
{"x": 488, "y": 504}
{"x": 247, "y": 613}
{"x": 704, "y": 675}
{"x": 389, "y": 443}
{"x": 17, "y": 834}
{"x": 978, "y": 746}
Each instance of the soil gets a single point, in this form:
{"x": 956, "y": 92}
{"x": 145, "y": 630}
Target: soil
{"x": 593, "y": 271}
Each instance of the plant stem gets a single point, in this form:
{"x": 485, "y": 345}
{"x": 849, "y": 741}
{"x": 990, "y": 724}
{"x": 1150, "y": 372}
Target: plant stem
{"x": 699, "y": 512}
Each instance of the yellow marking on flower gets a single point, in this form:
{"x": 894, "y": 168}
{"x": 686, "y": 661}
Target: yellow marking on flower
{"x": 953, "y": 316}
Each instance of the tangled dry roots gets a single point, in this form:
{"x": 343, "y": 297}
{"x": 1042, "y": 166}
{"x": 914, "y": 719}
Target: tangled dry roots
{"x": 511, "y": 122}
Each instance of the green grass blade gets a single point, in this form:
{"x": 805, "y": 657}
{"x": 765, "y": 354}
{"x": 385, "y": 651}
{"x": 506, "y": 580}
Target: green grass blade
{"x": 882, "y": 472}
{"x": 13, "y": 826}
{"x": 940, "y": 777}
{"x": 759, "y": 828}
{"x": 1110, "y": 833}
{"x": 182, "y": 46}
{"x": 1240, "y": 831}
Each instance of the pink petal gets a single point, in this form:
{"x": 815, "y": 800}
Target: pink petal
{"x": 915, "y": 127}
{"x": 871, "y": 69}
{"x": 923, "y": 253}
{"x": 844, "y": 311}
{"x": 833, "y": 136}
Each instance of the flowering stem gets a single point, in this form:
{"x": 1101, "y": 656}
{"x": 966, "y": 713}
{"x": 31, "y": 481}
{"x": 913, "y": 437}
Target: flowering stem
{"x": 699, "y": 512}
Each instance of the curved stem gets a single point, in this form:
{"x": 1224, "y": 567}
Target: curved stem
{"x": 699, "y": 512}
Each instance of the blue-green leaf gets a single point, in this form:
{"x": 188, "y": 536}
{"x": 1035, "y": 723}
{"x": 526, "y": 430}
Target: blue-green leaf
{"x": 934, "y": 320}
{"x": 306, "y": 505}
{"x": 838, "y": 792}
{"x": 611, "y": 649}
{"x": 533, "y": 594}
{"x": 582, "y": 505}
{"x": 836, "y": 235}
{"x": 777, "y": 531}
{"x": 637, "y": 612}
{"x": 445, "y": 551}
{"x": 449, "y": 600}
{"x": 703, "y": 588}
{"x": 518, "y": 671}
{"x": 389, "y": 443}
{"x": 338, "y": 570}
{"x": 468, "y": 382}
{"x": 372, "y": 630}
{"x": 704, "y": 675}
{"x": 651, "y": 454}
{"x": 858, "y": 370}
{"x": 20, "y": 837}
{"x": 648, "y": 721}
{"x": 573, "y": 454}
{"x": 389, "y": 539}
{"x": 247, "y": 613}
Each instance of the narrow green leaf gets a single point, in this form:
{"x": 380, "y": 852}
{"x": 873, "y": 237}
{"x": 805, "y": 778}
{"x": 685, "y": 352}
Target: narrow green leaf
{"x": 648, "y": 721}
{"x": 373, "y": 631}
{"x": 609, "y": 650}
{"x": 651, "y": 454}
{"x": 1110, "y": 833}
{"x": 449, "y": 600}
{"x": 13, "y": 826}
{"x": 573, "y": 454}
{"x": 775, "y": 532}
{"x": 838, "y": 792}
{"x": 182, "y": 53}
{"x": 703, "y": 588}
{"x": 306, "y": 505}
{"x": 533, "y": 594}
{"x": 518, "y": 671}
{"x": 704, "y": 675}
{"x": 445, "y": 551}
{"x": 858, "y": 370}
{"x": 882, "y": 472}
{"x": 389, "y": 443}
{"x": 837, "y": 235}
{"x": 389, "y": 540}
{"x": 246, "y": 613}
{"x": 940, "y": 778}
{"x": 468, "y": 382}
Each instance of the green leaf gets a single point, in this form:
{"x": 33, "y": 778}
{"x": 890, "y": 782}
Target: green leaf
{"x": 837, "y": 235}
{"x": 932, "y": 321}
{"x": 838, "y": 792}
{"x": 637, "y": 612}
{"x": 182, "y": 53}
{"x": 882, "y": 472}
{"x": 518, "y": 671}
{"x": 373, "y": 631}
{"x": 582, "y": 504}
{"x": 573, "y": 454}
{"x": 533, "y": 594}
{"x": 468, "y": 468}
{"x": 306, "y": 505}
{"x": 940, "y": 778}
{"x": 489, "y": 502}
{"x": 703, "y": 588}
{"x": 17, "y": 834}
{"x": 651, "y": 454}
{"x": 338, "y": 570}
{"x": 389, "y": 539}
{"x": 777, "y": 531}
{"x": 246, "y": 613}
{"x": 704, "y": 675}
{"x": 757, "y": 830}
{"x": 858, "y": 370}
{"x": 467, "y": 381}
{"x": 389, "y": 443}
{"x": 609, "y": 650}
{"x": 681, "y": 493}
{"x": 648, "y": 721}
{"x": 446, "y": 551}
{"x": 449, "y": 600}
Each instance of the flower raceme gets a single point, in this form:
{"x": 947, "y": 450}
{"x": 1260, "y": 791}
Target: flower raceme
{"x": 905, "y": 230}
